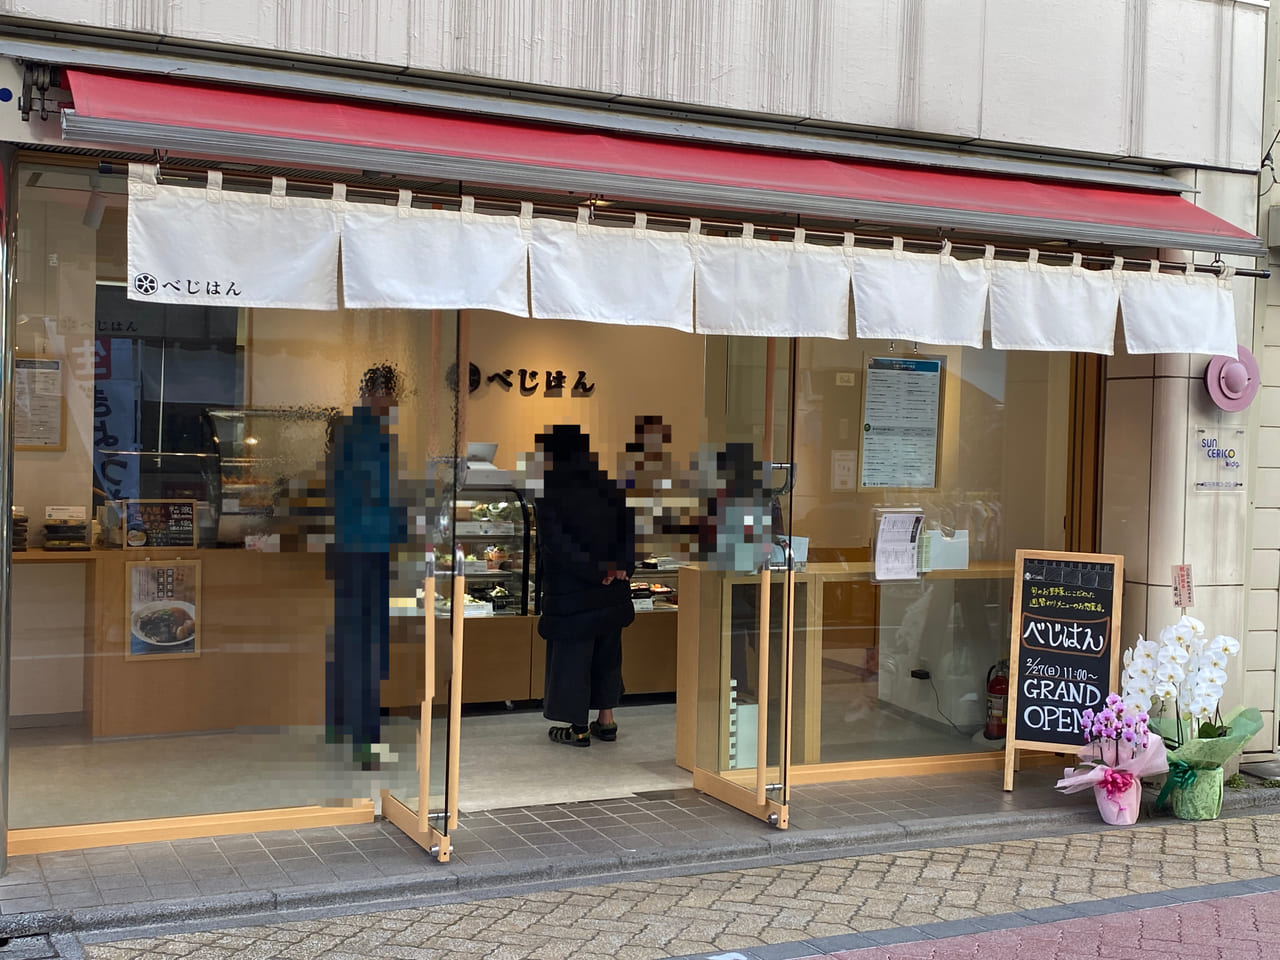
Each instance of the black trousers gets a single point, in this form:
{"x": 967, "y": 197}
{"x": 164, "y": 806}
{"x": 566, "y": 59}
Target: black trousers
{"x": 583, "y": 674}
{"x": 361, "y": 653}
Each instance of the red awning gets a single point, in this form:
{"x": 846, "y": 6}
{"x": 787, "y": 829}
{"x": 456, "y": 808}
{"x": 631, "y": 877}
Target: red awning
{"x": 265, "y": 125}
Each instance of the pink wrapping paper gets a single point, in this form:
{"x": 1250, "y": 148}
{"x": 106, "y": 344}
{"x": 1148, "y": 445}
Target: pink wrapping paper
{"x": 1118, "y": 798}
{"x": 1137, "y": 762}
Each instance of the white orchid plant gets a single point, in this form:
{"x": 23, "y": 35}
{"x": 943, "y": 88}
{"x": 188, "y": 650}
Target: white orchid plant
{"x": 1184, "y": 667}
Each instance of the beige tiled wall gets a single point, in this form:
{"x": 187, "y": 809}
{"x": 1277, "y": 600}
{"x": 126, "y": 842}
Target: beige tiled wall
{"x": 1151, "y": 515}
{"x": 1264, "y": 575}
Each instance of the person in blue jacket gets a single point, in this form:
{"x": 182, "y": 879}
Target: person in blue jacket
{"x": 368, "y": 523}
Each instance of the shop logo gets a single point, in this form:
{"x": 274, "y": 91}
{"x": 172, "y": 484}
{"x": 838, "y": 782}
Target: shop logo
{"x": 146, "y": 284}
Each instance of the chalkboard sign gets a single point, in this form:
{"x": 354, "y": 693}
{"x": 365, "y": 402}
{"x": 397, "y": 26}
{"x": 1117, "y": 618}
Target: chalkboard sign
{"x": 1064, "y": 647}
{"x": 159, "y": 523}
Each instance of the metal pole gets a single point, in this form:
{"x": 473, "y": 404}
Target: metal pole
{"x": 8, "y": 319}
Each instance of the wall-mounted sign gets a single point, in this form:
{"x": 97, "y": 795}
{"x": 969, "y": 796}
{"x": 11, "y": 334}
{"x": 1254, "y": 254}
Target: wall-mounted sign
{"x": 528, "y": 381}
{"x": 39, "y": 414}
{"x": 1064, "y": 647}
{"x": 844, "y": 469}
{"x": 901, "y": 401}
{"x": 1218, "y": 459}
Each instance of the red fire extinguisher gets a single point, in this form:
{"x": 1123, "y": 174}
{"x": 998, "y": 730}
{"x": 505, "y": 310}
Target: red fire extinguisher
{"x": 997, "y": 700}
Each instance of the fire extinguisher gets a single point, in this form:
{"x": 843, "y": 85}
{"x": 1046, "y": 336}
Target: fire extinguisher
{"x": 997, "y": 700}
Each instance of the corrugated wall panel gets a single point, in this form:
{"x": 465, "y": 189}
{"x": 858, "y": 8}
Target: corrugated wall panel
{"x": 1171, "y": 80}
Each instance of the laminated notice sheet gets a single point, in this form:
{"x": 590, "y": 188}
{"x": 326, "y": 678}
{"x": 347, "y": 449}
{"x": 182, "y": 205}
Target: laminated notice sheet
{"x": 898, "y": 546}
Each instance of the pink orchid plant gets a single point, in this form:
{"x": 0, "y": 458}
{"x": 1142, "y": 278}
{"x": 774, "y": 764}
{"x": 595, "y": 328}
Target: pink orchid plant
{"x": 1119, "y": 750}
{"x": 1117, "y": 730}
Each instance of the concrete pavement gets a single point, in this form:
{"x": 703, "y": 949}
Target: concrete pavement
{"x": 1161, "y": 889}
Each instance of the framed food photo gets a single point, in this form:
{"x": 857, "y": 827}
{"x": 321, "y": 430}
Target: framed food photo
{"x": 162, "y": 609}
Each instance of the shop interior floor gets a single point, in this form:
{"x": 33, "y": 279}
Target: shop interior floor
{"x": 60, "y": 776}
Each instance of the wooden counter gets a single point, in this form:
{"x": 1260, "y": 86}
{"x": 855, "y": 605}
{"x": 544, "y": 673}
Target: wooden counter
{"x": 263, "y": 621}
{"x": 245, "y": 675}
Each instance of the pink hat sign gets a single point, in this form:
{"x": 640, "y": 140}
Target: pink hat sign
{"x": 1232, "y": 382}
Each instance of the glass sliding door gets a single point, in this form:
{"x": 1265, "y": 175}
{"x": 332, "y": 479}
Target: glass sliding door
{"x": 428, "y": 676}
{"x": 741, "y": 595}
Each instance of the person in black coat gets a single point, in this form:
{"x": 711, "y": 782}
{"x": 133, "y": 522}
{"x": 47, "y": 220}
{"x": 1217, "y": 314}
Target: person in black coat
{"x": 586, "y": 553}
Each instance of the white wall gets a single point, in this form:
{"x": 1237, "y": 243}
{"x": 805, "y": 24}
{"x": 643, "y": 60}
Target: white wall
{"x": 1168, "y": 80}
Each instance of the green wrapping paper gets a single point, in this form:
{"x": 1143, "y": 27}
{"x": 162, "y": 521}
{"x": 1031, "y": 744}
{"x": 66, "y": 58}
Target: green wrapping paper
{"x": 1194, "y": 787}
{"x": 1202, "y": 799}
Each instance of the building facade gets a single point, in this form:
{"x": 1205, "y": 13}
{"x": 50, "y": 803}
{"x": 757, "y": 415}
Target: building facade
{"x": 1042, "y": 447}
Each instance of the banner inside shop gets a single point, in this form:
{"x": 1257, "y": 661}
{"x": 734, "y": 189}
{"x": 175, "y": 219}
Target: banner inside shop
{"x": 214, "y": 247}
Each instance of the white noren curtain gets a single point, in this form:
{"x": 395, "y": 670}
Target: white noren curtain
{"x": 434, "y": 259}
{"x": 760, "y": 288}
{"x": 625, "y": 275}
{"x": 921, "y": 297}
{"x": 1178, "y": 313}
{"x": 1039, "y": 307}
{"x": 230, "y": 249}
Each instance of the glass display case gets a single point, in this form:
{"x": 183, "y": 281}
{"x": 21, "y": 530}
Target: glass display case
{"x": 493, "y": 529}
{"x": 260, "y": 452}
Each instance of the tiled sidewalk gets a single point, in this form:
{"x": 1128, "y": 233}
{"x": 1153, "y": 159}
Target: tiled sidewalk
{"x": 226, "y": 876}
{"x": 1230, "y": 928}
{"x": 929, "y": 898}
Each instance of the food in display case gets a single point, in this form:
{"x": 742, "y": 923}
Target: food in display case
{"x": 261, "y": 453}
{"x": 493, "y": 528}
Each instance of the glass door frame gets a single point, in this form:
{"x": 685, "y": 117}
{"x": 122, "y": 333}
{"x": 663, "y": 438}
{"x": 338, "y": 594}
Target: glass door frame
{"x": 431, "y": 829}
{"x": 751, "y": 793}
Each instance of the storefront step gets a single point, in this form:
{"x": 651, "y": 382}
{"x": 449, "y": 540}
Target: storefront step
{"x": 106, "y": 893}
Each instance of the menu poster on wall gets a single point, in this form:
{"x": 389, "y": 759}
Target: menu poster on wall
{"x": 901, "y": 401}
{"x": 159, "y": 523}
{"x": 38, "y": 410}
{"x": 162, "y": 609}
{"x": 1064, "y": 647}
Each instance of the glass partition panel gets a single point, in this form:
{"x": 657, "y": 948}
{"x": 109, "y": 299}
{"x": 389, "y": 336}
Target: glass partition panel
{"x": 974, "y": 442}
{"x": 744, "y": 579}
{"x": 227, "y": 517}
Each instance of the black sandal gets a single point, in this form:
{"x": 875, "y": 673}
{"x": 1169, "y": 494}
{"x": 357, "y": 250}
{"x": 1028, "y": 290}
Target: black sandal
{"x": 569, "y": 737}
{"x": 608, "y": 732}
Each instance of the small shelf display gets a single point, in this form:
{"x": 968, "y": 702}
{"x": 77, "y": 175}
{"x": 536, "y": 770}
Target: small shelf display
{"x": 654, "y": 585}
{"x": 493, "y": 531}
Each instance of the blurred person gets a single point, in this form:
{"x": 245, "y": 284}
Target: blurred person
{"x": 369, "y": 521}
{"x": 646, "y": 465}
{"x": 586, "y": 554}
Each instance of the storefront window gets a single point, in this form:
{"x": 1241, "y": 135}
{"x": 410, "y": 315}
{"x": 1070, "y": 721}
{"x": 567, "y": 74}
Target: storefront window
{"x": 229, "y": 512}
{"x": 973, "y": 441}
{"x": 197, "y": 486}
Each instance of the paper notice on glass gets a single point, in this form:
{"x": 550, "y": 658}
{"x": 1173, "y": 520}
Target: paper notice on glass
{"x": 898, "y": 546}
{"x": 37, "y": 403}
